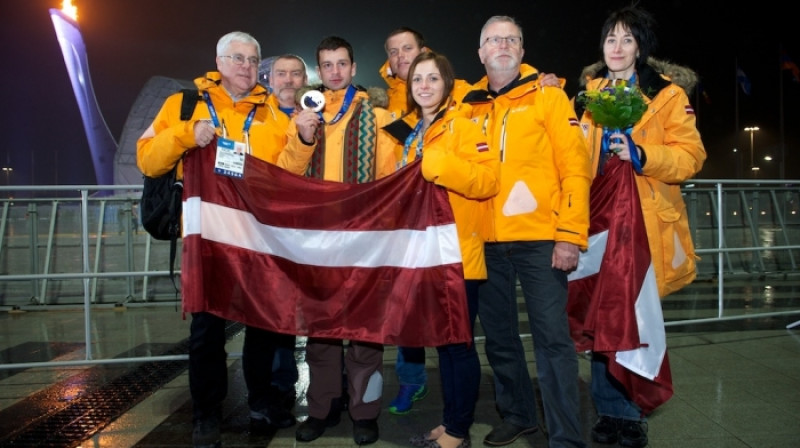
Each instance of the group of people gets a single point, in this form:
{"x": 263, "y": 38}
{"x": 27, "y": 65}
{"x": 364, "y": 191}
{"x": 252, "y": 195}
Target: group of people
{"x": 517, "y": 162}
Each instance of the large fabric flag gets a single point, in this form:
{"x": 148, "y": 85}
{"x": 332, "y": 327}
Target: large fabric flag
{"x": 376, "y": 262}
{"x": 788, "y": 64}
{"x": 743, "y": 80}
{"x": 613, "y": 306}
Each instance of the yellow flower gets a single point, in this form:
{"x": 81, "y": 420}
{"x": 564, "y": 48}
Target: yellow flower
{"x": 614, "y": 107}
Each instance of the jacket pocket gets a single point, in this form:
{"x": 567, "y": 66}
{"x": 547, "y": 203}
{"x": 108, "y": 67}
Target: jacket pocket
{"x": 677, "y": 260}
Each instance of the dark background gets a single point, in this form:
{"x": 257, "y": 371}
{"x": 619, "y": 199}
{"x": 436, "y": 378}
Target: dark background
{"x": 129, "y": 41}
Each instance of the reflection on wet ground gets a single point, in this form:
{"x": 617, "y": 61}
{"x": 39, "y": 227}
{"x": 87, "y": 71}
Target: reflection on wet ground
{"x": 737, "y": 382}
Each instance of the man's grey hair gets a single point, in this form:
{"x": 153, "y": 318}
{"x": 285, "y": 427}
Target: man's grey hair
{"x": 495, "y": 19}
{"x": 236, "y": 36}
{"x": 288, "y": 56}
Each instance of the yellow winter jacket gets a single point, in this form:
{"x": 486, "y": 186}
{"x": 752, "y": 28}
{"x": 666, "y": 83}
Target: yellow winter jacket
{"x": 163, "y": 143}
{"x": 672, "y": 153}
{"x": 456, "y": 156}
{"x": 385, "y": 159}
{"x": 544, "y": 168}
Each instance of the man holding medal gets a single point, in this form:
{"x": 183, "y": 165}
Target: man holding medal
{"x": 230, "y": 116}
{"x": 340, "y": 135}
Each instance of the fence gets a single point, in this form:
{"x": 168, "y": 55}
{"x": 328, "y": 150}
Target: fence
{"x": 82, "y": 246}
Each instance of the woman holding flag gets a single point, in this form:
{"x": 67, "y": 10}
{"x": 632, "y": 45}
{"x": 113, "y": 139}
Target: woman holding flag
{"x": 652, "y": 150}
{"x": 456, "y": 156}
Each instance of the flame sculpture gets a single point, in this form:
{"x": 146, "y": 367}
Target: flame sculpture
{"x": 101, "y": 143}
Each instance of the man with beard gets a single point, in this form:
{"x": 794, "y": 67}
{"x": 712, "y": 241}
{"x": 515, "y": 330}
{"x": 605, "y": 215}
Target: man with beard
{"x": 540, "y": 224}
{"x": 285, "y": 75}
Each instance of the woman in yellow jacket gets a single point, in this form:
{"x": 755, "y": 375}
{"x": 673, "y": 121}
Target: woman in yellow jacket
{"x": 669, "y": 150}
{"x": 454, "y": 155}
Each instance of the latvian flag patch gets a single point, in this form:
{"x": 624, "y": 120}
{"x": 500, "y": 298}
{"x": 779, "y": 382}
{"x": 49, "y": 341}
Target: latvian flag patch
{"x": 482, "y": 146}
{"x": 689, "y": 109}
{"x": 573, "y": 122}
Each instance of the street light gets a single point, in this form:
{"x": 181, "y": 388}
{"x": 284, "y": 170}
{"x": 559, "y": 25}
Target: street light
{"x": 8, "y": 170}
{"x": 751, "y": 129}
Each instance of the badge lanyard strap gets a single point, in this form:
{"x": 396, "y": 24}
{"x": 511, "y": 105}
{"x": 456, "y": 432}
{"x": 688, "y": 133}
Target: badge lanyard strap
{"x": 348, "y": 98}
{"x": 409, "y": 141}
{"x": 215, "y": 119}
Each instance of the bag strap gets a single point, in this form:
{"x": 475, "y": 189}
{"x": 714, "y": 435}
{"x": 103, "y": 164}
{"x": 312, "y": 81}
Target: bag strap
{"x": 175, "y": 205}
{"x": 189, "y": 102}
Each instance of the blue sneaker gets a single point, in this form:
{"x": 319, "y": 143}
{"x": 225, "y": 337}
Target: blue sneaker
{"x": 406, "y": 396}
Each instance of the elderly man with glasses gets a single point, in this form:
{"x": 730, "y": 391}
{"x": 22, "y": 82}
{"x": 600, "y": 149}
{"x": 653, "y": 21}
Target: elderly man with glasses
{"x": 231, "y": 105}
{"x": 540, "y": 224}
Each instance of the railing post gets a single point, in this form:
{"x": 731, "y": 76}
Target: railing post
{"x": 129, "y": 226}
{"x": 33, "y": 244}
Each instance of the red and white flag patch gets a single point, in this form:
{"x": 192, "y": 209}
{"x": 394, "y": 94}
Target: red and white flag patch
{"x": 689, "y": 109}
{"x": 482, "y": 146}
{"x": 573, "y": 122}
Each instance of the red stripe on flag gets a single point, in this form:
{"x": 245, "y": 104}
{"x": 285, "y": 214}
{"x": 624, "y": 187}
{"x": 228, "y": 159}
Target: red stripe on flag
{"x": 411, "y": 304}
{"x": 602, "y": 303}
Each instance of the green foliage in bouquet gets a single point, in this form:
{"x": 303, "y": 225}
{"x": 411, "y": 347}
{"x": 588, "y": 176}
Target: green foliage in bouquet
{"x": 615, "y": 107}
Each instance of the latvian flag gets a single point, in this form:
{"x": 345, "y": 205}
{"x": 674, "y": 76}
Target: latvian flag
{"x": 376, "y": 262}
{"x": 614, "y": 308}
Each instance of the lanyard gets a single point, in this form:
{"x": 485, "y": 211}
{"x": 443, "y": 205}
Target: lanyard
{"x": 348, "y": 98}
{"x": 215, "y": 119}
{"x": 629, "y": 83}
{"x": 409, "y": 140}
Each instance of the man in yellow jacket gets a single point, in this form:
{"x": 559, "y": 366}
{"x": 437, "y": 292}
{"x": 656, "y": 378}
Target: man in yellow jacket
{"x": 285, "y": 75}
{"x": 234, "y": 106}
{"x": 343, "y": 142}
{"x": 541, "y": 222}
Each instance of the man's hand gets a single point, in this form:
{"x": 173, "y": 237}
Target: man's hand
{"x": 307, "y": 122}
{"x": 549, "y": 80}
{"x": 565, "y": 256}
{"x": 204, "y": 132}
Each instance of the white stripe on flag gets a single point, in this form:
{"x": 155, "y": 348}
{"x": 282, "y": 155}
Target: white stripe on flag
{"x": 402, "y": 248}
{"x": 590, "y": 260}
{"x": 646, "y": 360}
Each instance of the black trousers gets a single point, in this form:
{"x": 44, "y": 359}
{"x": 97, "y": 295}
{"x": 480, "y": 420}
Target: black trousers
{"x": 208, "y": 369}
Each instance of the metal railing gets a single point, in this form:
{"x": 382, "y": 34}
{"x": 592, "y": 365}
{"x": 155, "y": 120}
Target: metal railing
{"x": 747, "y": 233}
{"x": 82, "y": 246}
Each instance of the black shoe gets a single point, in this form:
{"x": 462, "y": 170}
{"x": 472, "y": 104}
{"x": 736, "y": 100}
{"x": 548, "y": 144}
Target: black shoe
{"x": 276, "y": 416}
{"x": 606, "y": 429}
{"x": 314, "y": 427}
{"x": 506, "y": 433}
{"x": 365, "y": 431}
{"x": 206, "y": 433}
{"x": 633, "y": 434}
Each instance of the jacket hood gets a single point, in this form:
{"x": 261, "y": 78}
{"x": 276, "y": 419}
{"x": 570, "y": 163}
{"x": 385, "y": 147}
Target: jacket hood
{"x": 684, "y": 77}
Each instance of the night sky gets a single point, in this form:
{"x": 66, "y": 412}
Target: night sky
{"x": 129, "y": 41}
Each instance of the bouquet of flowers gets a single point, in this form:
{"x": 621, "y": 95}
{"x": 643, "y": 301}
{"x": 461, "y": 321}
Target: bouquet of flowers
{"x": 615, "y": 107}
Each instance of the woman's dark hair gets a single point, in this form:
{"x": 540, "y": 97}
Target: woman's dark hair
{"x": 445, "y": 69}
{"x": 639, "y": 23}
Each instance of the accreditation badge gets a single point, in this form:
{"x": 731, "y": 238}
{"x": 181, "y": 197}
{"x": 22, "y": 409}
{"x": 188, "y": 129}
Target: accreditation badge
{"x": 230, "y": 158}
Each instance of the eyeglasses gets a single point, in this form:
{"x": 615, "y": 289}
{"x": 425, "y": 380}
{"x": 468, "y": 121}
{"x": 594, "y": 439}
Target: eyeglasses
{"x": 239, "y": 59}
{"x": 495, "y": 41}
